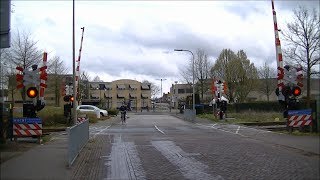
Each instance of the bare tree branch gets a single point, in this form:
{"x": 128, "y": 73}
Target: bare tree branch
{"x": 302, "y": 42}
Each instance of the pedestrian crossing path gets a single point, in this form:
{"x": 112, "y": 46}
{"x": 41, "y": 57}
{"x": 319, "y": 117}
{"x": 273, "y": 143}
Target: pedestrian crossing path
{"x": 124, "y": 162}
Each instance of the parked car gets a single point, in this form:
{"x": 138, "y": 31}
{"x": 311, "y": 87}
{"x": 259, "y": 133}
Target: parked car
{"x": 92, "y": 109}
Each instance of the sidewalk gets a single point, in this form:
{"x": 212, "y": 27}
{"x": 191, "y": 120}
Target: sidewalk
{"x": 42, "y": 162}
{"x": 45, "y": 161}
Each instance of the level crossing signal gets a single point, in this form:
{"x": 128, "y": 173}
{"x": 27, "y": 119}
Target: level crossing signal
{"x": 296, "y": 91}
{"x": 68, "y": 98}
{"x": 32, "y": 92}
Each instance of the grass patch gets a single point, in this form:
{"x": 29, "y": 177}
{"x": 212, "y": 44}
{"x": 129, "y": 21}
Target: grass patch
{"x": 93, "y": 117}
{"x": 248, "y": 116}
{"x": 46, "y": 138}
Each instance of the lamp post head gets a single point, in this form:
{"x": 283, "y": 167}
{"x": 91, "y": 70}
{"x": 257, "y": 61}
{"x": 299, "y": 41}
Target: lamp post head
{"x": 178, "y": 49}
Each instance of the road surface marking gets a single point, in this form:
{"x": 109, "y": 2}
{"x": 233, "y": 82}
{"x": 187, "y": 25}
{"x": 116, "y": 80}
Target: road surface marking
{"x": 124, "y": 162}
{"x": 204, "y": 125}
{"x": 238, "y": 130}
{"x": 260, "y": 130}
{"x": 100, "y": 132}
{"x": 159, "y": 129}
{"x": 190, "y": 167}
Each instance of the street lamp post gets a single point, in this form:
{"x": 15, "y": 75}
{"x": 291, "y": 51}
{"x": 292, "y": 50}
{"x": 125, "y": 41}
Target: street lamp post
{"x": 193, "y": 95}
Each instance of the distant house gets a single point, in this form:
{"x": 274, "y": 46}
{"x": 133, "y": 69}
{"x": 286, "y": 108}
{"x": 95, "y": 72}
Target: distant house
{"x": 114, "y": 94}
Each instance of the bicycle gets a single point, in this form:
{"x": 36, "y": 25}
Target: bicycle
{"x": 123, "y": 117}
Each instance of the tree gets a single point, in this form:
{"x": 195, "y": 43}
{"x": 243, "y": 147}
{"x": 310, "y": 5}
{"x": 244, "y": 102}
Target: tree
{"x": 303, "y": 42}
{"x": 266, "y": 74}
{"x": 153, "y": 88}
{"x": 201, "y": 72}
{"x": 3, "y": 69}
{"x": 97, "y": 79}
{"x": 23, "y": 52}
{"x": 56, "y": 69}
{"x": 246, "y": 75}
{"x": 237, "y": 71}
{"x": 222, "y": 70}
{"x": 84, "y": 85}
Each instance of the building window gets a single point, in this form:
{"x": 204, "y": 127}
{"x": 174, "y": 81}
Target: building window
{"x": 94, "y": 86}
{"x": 133, "y": 87}
{"x": 121, "y": 87}
{"x": 145, "y": 87}
{"x": 132, "y": 96}
{"x": 144, "y": 96}
{"x": 181, "y": 91}
{"x": 188, "y": 90}
{"x": 120, "y": 95}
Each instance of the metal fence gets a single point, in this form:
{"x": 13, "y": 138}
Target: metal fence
{"x": 78, "y": 136}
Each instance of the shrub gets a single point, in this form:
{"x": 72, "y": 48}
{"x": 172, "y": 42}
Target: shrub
{"x": 52, "y": 116}
{"x": 113, "y": 111}
{"x": 92, "y": 118}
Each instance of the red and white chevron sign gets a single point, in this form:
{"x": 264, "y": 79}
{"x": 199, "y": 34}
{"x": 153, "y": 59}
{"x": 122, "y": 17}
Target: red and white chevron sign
{"x": 81, "y": 119}
{"x": 298, "y": 118}
{"x": 300, "y": 123}
{"x": 27, "y": 129}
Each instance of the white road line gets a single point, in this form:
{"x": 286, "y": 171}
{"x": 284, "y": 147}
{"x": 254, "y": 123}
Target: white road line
{"x": 189, "y": 166}
{"x": 100, "y": 132}
{"x": 203, "y": 125}
{"x": 256, "y": 129}
{"x": 159, "y": 129}
{"x": 238, "y": 130}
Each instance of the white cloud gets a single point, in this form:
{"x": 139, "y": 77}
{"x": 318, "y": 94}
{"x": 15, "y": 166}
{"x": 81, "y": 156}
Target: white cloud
{"x": 135, "y": 39}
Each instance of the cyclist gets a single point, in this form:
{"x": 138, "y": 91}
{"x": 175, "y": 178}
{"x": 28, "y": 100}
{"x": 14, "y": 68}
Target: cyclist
{"x": 123, "y": 113}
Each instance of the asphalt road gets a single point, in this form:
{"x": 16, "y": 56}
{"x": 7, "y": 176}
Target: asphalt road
{"x": 165, "y": 147}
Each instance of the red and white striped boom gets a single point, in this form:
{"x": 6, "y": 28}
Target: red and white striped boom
{"x": 78, "y": 66}
{"x": 278, "y": 54}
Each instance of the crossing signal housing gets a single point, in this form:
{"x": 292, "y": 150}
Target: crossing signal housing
{"x": 68, "y": 98}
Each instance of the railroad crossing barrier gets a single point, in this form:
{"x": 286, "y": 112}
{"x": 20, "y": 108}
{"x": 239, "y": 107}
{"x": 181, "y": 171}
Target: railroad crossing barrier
{"x": 27, "y": 127}
{"x": 78, "y": 136}
{"x": 299, "y": 118}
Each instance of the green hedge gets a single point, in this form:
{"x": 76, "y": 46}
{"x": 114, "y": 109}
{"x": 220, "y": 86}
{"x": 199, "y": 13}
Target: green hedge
{"x": 273, "y": 106}
{"x": 113, "y": 111}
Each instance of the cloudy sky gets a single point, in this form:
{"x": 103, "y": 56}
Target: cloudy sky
{"x": 136, "y": 39}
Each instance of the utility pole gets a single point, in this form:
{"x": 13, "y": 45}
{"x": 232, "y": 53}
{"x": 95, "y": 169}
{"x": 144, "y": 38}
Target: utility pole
{"x": 74, "y": 110}
{"x": 161, "y": 88}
